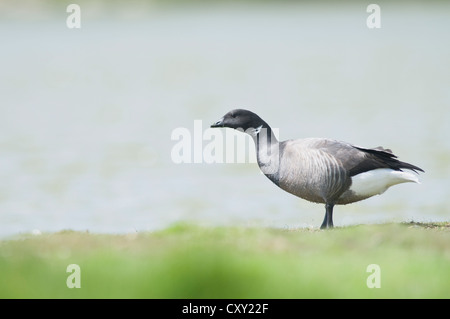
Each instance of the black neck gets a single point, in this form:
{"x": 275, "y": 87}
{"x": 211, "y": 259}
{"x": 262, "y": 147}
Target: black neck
{"x": 264, "y": 136}
{"x": 268, "y": 153}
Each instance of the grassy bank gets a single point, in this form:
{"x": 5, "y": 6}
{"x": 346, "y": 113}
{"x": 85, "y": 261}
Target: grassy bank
{"x": 225, "y": 262}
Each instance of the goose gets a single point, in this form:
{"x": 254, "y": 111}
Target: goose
{"x": 321, "y": 170}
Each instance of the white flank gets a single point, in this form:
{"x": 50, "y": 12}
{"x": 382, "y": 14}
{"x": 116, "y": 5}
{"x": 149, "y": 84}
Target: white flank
{"x": 379, "y": 180}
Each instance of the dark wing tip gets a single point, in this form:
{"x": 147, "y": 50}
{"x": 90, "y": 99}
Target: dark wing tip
{"x": 384, "y": 156}
{"x": 378, "y": 151}
{"x": 382, "y": 149}
{"x": 412, "y": 167}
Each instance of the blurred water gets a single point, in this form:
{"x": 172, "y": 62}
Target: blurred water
{"x": 86, "y": 115}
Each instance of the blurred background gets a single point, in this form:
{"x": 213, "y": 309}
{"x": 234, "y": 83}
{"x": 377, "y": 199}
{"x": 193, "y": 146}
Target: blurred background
{"x": 86, "y": 115}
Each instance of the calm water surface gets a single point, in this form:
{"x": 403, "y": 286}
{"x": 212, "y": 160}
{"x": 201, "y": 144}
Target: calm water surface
{"x": 87, "y": 115}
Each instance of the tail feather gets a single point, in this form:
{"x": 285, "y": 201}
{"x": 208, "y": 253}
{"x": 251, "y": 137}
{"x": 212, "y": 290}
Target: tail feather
{"x": 387, "y": 157}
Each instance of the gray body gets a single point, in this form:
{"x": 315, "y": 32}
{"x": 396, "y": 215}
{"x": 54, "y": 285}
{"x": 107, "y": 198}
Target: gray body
{"x": 316, "y": 169}
{"x": 315, "y": 175}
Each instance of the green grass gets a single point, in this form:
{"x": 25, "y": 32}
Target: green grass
{"x": 186, "y": 261}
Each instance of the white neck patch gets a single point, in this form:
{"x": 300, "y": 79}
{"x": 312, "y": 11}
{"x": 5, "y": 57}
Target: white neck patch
{"x": 256, "y": 131}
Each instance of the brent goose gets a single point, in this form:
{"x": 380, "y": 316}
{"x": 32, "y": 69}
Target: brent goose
{"x": 321, "y": 170}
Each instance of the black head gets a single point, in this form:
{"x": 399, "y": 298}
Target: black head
{"x": 240, "y": 119}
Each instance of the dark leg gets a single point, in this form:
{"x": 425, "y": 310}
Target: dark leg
{"x": 328, "y": 220}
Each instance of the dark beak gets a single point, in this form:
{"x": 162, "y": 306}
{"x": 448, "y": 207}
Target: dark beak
{"x": 219, "y": 123}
